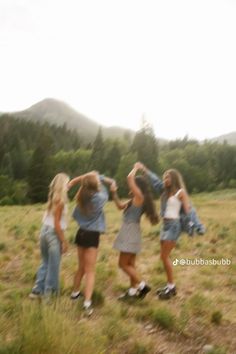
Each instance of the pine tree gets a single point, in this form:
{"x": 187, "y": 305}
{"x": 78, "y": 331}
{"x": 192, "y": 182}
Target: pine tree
{"x": 97, "y": 157}
{"x": 112, "y": 159}
{"x": 146, "y": 147}
{"x": 6, "y": 166}
{"x": 40, "y": 171}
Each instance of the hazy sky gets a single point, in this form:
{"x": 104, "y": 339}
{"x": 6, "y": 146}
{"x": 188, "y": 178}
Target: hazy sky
{"x": 115, "y": 60}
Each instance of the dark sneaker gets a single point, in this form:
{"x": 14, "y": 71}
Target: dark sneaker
{"x": 142, "y": 293}
{"x": 167, "y": 293}
{"x": 201, "y": 230}
{"x": 75, "y": 295}
{"x": 161, "y": 290}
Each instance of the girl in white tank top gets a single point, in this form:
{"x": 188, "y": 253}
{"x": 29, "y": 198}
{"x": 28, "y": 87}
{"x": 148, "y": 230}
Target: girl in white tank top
{"x": 174, "y": 197}
{"x": 173, "y": 206}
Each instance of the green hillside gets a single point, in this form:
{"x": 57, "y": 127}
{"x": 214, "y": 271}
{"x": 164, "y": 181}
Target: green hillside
{"x": 57, "y": 112}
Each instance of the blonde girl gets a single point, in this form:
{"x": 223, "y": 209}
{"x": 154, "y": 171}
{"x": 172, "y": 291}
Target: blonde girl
{"x": 52, "y": 238}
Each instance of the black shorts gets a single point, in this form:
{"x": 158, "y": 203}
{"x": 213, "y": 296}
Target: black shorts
{"x": 86, "y": 238}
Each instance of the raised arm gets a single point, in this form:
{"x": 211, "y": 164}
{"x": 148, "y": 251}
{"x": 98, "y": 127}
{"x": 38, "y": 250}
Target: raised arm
{"x": 74, "y": 181}
{"x": 137, "y": 194}
{"x": 107, "y": 180}
{"x": 120, "y": 205}
{"x": 155, "y": 181}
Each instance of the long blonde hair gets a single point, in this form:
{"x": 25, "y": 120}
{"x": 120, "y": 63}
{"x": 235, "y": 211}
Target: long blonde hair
{"x": 88, "y": 188}
{"x": 57, "y": 191}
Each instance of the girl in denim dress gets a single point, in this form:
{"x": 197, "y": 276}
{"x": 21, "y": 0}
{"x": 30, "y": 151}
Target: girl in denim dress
{"x": 128, "y": 240}
{"x": 52, "y": 239}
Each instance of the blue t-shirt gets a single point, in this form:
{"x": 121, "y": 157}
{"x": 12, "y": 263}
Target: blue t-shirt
{"x": 94, "y": 220}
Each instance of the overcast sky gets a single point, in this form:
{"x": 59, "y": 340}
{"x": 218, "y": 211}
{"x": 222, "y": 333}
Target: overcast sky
{"x": 173, "y": 61}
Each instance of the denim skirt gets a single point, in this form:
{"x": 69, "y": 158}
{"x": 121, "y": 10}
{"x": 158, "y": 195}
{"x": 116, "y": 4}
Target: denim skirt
{"x": 171, "y": 230}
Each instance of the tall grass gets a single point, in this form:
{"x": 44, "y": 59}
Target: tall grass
{"x": 204, "y": 305}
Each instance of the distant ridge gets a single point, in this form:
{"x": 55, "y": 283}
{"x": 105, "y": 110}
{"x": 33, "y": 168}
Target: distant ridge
{"x": 59, "y": 113}
{"x": 230, "y": 138}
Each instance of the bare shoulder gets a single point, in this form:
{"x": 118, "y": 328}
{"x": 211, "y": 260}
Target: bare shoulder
{"x": 182, "y": 193}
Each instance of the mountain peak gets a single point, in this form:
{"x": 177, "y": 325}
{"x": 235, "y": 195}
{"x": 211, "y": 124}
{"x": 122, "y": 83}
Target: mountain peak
{"x": 57, "y": 112}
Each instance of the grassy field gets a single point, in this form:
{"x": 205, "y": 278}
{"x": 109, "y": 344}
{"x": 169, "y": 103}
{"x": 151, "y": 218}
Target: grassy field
{"x": 203, "y": 312}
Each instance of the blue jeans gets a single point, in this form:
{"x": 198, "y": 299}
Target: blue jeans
{"x": 47, "y": 280}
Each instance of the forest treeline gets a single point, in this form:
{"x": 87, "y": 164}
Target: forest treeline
{"x": 32, "y": 153}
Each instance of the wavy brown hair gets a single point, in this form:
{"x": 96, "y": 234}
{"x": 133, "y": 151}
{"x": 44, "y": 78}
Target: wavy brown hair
{"x": 88, "y": 188}
{"x": 176, "y": 183}
{"x": 149, "y": 207}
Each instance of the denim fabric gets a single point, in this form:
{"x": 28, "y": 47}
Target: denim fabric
{"x": 47, "y": 280}
{"x": 95, "y": 221}
{"x": 170, "y": 230}
{"x": 190, "y": 223}
{"x": 156, "y": 182}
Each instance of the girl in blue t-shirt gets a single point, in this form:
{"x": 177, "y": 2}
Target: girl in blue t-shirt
{"x": 89, "y": 215}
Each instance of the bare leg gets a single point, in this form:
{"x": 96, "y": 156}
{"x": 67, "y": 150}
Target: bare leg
{"x": 127, "y": 264}
{"x": 166, "y": 248}
{"x": 80, "y": 272}
{"x": 90, "y": 257}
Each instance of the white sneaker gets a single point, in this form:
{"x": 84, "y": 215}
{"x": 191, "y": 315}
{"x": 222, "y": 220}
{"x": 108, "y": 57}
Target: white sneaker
{"x": 88, "y": 310}
{"x": 75, "y": 295}
{"x": 33, "y": 295}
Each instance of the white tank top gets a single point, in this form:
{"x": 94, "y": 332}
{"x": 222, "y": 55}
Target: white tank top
{"x": 173, "y": 206}
{"x": 48, "y": 219}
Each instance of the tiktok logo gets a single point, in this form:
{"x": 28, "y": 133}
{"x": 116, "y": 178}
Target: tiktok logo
{"x": 176, "y": 262}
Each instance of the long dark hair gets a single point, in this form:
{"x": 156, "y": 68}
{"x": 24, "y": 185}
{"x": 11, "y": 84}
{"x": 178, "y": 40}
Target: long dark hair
{"x": 149, "y": 207}
{"x": 89, "y": 187}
